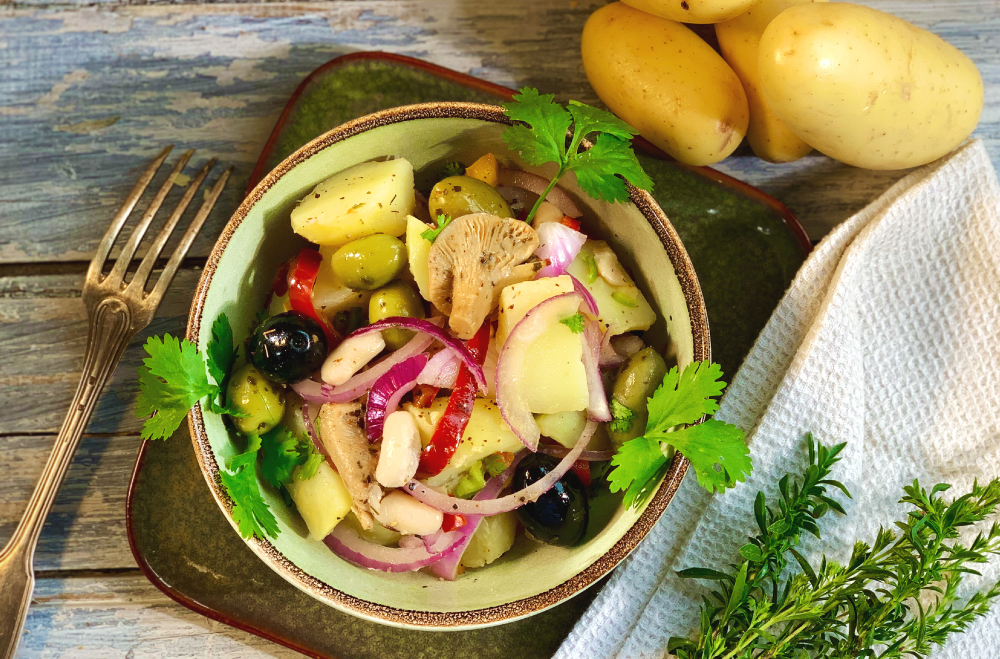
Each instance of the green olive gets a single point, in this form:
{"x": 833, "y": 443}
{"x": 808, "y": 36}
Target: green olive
{"x": 636, "y": 382}
{"x": 460, "y": 195}
{"x": 370, "y": 262}
{"x": 396, "y": 299}
{"x": 261, "y": 400}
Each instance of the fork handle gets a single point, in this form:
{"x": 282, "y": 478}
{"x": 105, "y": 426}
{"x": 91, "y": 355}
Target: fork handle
{"x": 110, "y": 331}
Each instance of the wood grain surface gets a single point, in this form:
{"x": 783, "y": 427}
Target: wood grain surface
{"x": 90, "y": 90}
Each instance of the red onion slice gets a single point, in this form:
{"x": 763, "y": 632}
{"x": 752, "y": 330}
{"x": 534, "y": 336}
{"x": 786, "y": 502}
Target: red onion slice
{"x": 514, "y": 355}
{"x": 441, "y": 371}
{"x": 597, "y": 407}
{"x": 456, "y": 506}
{"x": 559, "y": 245}
{"x": 537, "y": 184}
{"x": 588, "y": 299}
{"x": 345, "y": 542}
{"x": 447, "y": 568}
{"x": 386, "y": 392}
{"x": 557, "y": 451}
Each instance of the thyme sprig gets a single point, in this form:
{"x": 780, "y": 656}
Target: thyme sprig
{"x": 894, "y": 598}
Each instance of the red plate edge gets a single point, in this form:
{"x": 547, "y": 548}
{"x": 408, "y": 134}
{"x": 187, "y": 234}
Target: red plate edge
{"x": 502, "y": 92}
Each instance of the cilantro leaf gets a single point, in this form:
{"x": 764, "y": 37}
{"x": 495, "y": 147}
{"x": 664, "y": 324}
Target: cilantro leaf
{"x": 597, "y": 167}
{"x": 575, "y": 322}
{"x": 588, "y": 119}
{"x": 621, "y": 417}
{"x": 251, "y": 513}
{"x": 545, "y": 141}
{"x": 637, "y": 466}
{"x": 171, "y": 380}
{"x": 281, "y": 455}
{"x": 432, "y": 234}
{"x": 221, "y": 350}
{"x": 710, "y": 443}
{"x": 313, "y": 459}
{"x": 685, "y": 397}
{"x": 540, "y": 136}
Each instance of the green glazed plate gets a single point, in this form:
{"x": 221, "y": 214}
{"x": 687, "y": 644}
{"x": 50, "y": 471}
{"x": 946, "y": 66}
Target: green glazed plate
{"x": 745, "y": 247}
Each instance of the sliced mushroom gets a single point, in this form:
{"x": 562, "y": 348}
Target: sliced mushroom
{"x": 469, "y": 260}
{"x": 347, "y": 445}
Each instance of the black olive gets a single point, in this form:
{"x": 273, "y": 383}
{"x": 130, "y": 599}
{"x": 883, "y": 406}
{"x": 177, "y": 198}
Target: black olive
{"x": 560, "y": 516}
{"x": 288, "y": 347}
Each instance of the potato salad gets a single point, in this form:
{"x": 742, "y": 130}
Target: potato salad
{"x": 449, "y": 361}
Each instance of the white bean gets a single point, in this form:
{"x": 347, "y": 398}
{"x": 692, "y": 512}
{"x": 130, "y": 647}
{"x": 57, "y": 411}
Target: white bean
{"x": 547, "y": 212}
{"x": 401, "y": 512}
{"x": 350, "y": 357}
{"x": 400, "y": 454}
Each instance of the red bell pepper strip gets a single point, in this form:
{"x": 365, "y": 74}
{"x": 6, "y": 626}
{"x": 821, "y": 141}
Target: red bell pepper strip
{"x": 452, "y": 522}
{"x": 424, "y": 395}
{"x": 582, "y": 470}
{"x": 568, "y": 221}
{"x": 302, "y": 273}
{"x": 448, "y": 432}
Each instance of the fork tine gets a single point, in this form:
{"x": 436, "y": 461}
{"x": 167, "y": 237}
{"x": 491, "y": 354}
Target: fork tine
{"x": 128, "y": 251}
{"x": 185, "y": 244}
{"x": 104, "y": 248}
{"x": 146, "y": 267}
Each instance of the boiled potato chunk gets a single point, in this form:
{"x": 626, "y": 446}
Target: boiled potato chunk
{"x": 330, "y": 294}
{"x": 621, "y": 308}
{"x": 418, "y": 250}
{"x": 494, "y": 538}
{"x": 739, "y": 40}
{"x": 867, "y": 88}
{"x": 564, "y": 427}
{"x": 693, "y": 11}
{"x": 373, "y": 197}
{"x": 487, "y": 433}
{"x": 322, "y": 500}
{"x": 554, "y": 379}
{"x": 663, "y": 79}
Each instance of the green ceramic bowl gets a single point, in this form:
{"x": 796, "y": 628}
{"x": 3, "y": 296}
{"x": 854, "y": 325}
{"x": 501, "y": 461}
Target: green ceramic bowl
{"x": 531, "y": 577}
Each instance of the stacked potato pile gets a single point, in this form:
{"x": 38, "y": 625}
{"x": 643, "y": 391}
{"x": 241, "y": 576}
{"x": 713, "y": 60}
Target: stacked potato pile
{"x": 857, "y": 84}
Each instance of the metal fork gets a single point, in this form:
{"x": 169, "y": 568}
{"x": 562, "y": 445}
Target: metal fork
{"x": 116, "y": 310}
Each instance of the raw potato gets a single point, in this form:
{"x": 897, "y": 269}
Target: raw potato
{"x": 322, "y": 500}
{"x": 739, "y": 41}
{"x": 867, "y": 88}
{"x": 663, "y": 79}
{"x": 418, "y": 249}
{"x": 693, "y": 11}
{"x": 373, "y": 197}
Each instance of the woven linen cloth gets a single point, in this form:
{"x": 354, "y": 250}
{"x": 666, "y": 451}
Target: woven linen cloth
{"x": 888, "y": 339}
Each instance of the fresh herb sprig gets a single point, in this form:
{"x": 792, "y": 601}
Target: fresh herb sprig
{"x": 442, "y": 222}
{"x": 870, "y": 607}
{"x": 541, "y": 135}
{"x": 683, "y": 398}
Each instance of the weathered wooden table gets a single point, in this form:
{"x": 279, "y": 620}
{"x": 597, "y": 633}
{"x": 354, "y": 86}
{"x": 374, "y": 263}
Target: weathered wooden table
{"x": 90, "y": 90}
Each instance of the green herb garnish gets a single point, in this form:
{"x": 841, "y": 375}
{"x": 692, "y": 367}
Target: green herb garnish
{"x": 683, "y": 398}
{"x": 575, "y": 322}
{"x": 452, "y": 168}
{"x": 543, "y": 140}
{"x": 621, "y": 417}
{"x": 250, "y": 512}
{"x": 283, "y": 452}
{"x": 894, "y": 598}
{"x": 432, "y": 234}
{"x": 624, "y": 299}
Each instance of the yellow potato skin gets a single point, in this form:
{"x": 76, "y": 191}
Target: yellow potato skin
{"x": 739, "y": 40}
{"x": 692, "y": 11}
{"x": 660, "y": 77}
{"x": 867, "y": 88}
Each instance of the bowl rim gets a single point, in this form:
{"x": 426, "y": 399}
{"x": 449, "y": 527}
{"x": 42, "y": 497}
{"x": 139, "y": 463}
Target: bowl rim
{"x": 481, "y": 617}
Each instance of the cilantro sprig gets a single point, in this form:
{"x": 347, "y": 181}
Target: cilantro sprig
{"x": 683, "y": 398}
{"x": 432, "y": 234}
{"x": 575, "y": 323}
{"x": 250, "y": 512}
{"x": 540, "y": 137}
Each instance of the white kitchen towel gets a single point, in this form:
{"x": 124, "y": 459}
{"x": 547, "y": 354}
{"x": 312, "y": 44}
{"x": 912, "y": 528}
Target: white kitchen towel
{"x": 888, "y": 339}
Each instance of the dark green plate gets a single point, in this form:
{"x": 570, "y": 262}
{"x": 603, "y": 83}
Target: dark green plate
{"x": 745, "y": 246}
